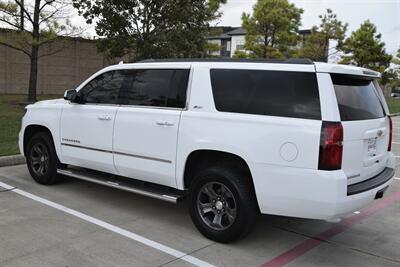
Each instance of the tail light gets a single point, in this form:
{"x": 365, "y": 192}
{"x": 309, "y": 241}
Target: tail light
{"x": 331, "y": 146}
{"x": 390, "y": 133}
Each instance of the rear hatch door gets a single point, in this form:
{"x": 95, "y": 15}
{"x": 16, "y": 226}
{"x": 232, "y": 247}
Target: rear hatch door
{"x": 365, "y": 126}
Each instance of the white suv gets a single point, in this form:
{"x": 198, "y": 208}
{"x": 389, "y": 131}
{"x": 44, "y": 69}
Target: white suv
{"x": 238, "y": 138}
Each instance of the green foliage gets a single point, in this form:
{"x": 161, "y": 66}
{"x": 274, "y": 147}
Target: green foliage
{"x": 316, "y": 45}
{"x": 11, "y": 113}
{"x": 244, "y": 54}
{"x": 392, "y": 75}
{"x": 396, "y": 60}
{"x": 240, "y": 54}
{"x": 364, "y": 48}
{"x": 272, "y": 28}
{"x": 211, "y": 48}
{"x": 10, "y": 123}
{"x": 151, "y": 29}
{"x": 393, "y": 104}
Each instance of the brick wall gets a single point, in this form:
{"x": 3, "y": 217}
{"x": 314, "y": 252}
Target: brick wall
{"x": 64, "y": 70}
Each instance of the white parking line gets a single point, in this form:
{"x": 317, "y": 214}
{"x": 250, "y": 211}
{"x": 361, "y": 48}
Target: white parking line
{"x": 115, "y": 229}
{"x": 397, "y": 178}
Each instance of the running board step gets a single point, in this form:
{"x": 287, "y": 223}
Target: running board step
{"x": 131, "y": 185}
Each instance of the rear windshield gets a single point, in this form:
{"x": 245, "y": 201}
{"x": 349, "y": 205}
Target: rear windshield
{"x": 357, "y": 98}
{"x": 260, "y": 92}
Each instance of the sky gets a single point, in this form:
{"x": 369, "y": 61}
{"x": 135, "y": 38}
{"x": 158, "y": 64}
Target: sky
{"x": 385, "y": 14}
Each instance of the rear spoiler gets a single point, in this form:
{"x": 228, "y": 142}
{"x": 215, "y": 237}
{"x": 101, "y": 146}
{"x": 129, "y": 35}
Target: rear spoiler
{"x": 372, "y": 73}
{"x": 346, "y": 69}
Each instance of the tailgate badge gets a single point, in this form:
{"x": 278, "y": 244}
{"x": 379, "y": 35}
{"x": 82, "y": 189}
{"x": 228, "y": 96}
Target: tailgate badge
{"x": 380, "y": 133}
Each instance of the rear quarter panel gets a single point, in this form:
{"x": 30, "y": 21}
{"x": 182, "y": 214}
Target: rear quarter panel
{"x": 267, "y": 140}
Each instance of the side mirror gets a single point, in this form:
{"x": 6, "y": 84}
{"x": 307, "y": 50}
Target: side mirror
{"x": 71, "y": 95}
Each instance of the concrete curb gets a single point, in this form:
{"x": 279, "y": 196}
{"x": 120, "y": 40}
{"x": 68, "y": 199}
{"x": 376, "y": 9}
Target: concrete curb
{"x": 12, "y": 160}
{"x": 395, "y": 114}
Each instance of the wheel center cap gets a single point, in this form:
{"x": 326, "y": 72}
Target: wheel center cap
{"x": 219, "y": 205}
{"x": 42, "y": 159}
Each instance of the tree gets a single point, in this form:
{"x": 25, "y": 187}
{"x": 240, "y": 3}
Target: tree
{"x": 316, "y": 46}
{"x": 151, "y": 28}
{"x": 392, "y": 74}
{"x": 213, "y": 49}
{"x": 364, "y": 48}
{"x": 396, "y": 60}
{"x": 47, "y": 23}
{"x": 240, "y": 54}
{"x": 272, "y": 28}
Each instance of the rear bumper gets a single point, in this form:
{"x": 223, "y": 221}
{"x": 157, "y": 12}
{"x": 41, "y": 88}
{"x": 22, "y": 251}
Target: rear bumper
{"x": 371, "y": 183}
{"x": 314, "y": 194}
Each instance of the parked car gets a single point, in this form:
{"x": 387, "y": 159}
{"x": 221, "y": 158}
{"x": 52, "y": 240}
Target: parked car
{"x": 236, "y": 137}
{"x": 395, "y": 94}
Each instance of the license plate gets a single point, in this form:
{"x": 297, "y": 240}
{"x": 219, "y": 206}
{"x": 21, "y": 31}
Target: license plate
{"x": 371, "y": 147}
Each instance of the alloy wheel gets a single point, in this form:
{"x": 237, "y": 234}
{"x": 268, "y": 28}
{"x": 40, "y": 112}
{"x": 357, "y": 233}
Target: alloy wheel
{"x": 39, "y": 159}
{"x": 216, "y": 206}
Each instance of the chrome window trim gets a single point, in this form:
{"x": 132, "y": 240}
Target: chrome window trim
{"x": 188, "y": 89}
{"x": 151, "y": 107}
{"x": 130, "y": 106}
{"x": 95, "y": 104}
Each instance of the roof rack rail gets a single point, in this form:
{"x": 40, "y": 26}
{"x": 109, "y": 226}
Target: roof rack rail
{"x": 244, "y": 60}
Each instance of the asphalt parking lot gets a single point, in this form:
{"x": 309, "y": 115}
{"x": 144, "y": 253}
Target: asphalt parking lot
{"x": 77, "y": 223}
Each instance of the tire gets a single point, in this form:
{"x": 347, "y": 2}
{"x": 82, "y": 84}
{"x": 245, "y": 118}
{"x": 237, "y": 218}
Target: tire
{"x": 42, "y": 159}
{"x": 233, "y": 198}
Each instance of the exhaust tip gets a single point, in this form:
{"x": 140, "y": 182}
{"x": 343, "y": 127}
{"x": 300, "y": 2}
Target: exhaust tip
{"x": 380, "y": 193}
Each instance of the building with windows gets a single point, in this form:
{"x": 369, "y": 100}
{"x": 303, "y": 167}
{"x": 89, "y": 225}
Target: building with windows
{"x": 234, "y": 38}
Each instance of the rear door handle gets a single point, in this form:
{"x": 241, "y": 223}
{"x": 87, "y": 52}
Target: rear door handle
{"x": 164, "y": 123}
{"x": 104, "y": 118}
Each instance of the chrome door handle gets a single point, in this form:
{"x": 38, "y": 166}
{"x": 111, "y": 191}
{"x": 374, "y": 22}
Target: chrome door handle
{"x": 104, "y": 118}
{"x": 164, "y": 123}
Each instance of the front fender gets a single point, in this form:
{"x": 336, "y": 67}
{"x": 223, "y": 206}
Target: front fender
{"x": 47, "y": 116}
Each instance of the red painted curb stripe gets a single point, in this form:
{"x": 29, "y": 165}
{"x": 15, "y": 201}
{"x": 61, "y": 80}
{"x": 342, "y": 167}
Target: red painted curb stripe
{"x": 314, "y": 241}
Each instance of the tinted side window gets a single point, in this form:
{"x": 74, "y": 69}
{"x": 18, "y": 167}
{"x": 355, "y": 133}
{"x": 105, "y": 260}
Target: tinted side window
{"x": 275, "y": 93}
{"x": 157, "y": 87}
{"x": 357, "y": 98}
{"x": 104, "y": 89}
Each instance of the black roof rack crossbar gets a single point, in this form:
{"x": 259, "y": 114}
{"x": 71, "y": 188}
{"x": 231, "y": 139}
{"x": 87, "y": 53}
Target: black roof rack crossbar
{"x": 305, "y": 61}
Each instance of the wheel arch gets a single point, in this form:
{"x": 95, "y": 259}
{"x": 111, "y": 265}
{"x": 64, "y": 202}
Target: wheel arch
{"x": 198, "y": 158}
{"x": 31, "y": 130}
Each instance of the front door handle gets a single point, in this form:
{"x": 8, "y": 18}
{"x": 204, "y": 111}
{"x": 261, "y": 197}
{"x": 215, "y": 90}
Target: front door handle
{"x": 104, "y": 118}
{"x": 164, "y": 123}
